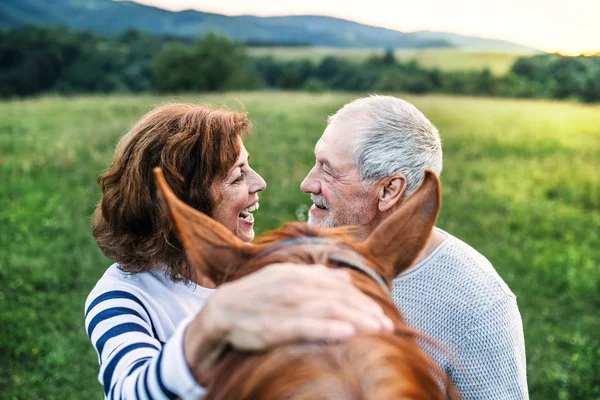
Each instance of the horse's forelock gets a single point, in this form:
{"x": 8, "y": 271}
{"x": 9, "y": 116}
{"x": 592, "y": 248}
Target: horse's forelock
{"x": 295, "y": 230}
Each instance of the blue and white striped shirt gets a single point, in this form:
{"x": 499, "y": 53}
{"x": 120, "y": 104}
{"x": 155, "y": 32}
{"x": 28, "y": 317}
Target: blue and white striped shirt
{"x": 136, "y": 324}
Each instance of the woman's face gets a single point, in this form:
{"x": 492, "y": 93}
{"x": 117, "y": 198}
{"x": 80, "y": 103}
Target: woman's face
{"x": 236, "y": 197}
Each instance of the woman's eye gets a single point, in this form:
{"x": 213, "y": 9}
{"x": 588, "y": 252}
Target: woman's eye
{"x": 240, "y": 178}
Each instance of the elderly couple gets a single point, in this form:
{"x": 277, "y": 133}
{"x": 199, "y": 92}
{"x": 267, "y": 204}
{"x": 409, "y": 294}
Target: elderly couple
{"x": 158, "y": 327}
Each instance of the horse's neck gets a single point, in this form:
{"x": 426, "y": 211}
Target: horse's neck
{"x": 366, "y": 367}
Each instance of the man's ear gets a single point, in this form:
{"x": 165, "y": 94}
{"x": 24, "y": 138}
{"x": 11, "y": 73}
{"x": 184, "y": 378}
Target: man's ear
{"x": 213, "y": 250}
{"x": 399, "y": 239}
{"x": 390, "y": 191}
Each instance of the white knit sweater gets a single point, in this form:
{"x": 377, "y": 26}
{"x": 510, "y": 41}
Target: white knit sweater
{"x": 456, "y": 297}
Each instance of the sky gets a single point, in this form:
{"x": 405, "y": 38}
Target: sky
{"x": 565, "y": 26}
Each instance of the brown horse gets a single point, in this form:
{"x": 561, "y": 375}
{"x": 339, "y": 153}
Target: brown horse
{"x": 368, "y": 366}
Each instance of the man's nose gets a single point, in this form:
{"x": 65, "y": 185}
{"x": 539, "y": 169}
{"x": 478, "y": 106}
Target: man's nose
{"x": 310, "y": 184}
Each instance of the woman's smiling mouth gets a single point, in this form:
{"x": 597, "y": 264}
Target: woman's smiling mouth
{"x": 246, "y": 214}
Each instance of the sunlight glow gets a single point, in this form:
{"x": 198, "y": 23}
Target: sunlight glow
{"x": 569, "y": 27}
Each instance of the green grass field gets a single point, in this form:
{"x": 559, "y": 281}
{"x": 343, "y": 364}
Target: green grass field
{"x": 445, "y": 59}
{"x": 520, "y": 184}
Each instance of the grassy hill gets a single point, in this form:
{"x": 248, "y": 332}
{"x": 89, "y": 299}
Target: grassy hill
{"x": 520, "y": 184}
{"x": 108, "y": 16}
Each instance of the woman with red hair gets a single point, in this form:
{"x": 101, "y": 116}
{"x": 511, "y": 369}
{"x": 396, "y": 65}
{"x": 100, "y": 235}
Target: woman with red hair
{"x": 157, "y": 326}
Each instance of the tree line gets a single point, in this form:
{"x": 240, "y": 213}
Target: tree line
{"x": 37, "y": 60}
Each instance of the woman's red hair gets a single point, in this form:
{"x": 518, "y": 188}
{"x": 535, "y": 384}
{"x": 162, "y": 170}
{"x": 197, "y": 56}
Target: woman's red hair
{"x": 195, "y": 146}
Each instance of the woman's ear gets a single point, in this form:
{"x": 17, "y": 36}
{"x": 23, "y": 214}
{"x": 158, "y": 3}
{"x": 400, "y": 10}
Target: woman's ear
{"x": 390, "y": 192}
{"x": 398, "y": 240}
{"x": 212, "y": 249}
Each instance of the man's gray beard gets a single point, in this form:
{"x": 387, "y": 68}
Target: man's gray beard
{"x": 324, "y": 223}
{"x": 327, "y": 222}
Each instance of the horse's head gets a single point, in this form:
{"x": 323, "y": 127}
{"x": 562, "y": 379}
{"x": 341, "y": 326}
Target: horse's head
{"x": 369, "y": 366}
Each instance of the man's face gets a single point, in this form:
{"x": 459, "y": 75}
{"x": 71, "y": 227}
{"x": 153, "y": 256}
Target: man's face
{"x": 339, "y": 197}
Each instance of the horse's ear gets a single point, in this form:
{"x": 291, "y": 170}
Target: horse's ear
{"x": 213, "y": 250}
{"x": 398, "y": 240}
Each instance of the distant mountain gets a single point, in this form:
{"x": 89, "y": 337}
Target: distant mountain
{"x": 472, "y": 43}
{"x": 111, "y": 17}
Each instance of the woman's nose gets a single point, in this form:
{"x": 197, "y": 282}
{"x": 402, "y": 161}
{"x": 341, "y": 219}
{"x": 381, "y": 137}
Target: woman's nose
{"x": 258, "y": 183}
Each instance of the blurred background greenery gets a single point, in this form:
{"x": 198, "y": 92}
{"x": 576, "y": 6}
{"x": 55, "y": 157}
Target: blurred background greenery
{"x": 36, "y": 60}
{"x": 520, "y": 181}
{"x": 520, "y": 184}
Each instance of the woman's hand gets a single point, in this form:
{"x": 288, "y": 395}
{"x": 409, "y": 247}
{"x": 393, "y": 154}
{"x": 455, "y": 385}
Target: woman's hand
{"x": 279, "y": 304}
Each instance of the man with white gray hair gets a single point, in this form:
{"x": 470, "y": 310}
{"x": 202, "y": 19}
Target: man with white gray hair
{"x": 371, "y": 157}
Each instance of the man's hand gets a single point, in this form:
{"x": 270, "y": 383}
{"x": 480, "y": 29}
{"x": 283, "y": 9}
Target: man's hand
{"x": 281, "y": 303}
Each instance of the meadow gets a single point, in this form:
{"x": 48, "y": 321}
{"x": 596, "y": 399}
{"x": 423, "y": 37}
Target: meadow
{"x": 520, "y": 184}
{"x": 445, "y": 59}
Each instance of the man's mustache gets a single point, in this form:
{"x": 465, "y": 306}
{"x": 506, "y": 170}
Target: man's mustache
{"x": 319, "y": 201}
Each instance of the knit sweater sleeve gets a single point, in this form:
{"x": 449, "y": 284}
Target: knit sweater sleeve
{"x": 134, "y": 363}
{"x": 491, "y": 359}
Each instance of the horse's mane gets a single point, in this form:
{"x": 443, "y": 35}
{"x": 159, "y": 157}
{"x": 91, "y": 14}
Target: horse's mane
{"x": 369, "y": 366}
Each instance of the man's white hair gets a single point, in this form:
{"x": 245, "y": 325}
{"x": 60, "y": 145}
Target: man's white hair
{"x": 393, "y": 137}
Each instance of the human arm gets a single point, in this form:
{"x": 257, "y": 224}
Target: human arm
{"x": 280, "y": 303}
{"x": 133, "y": 362}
